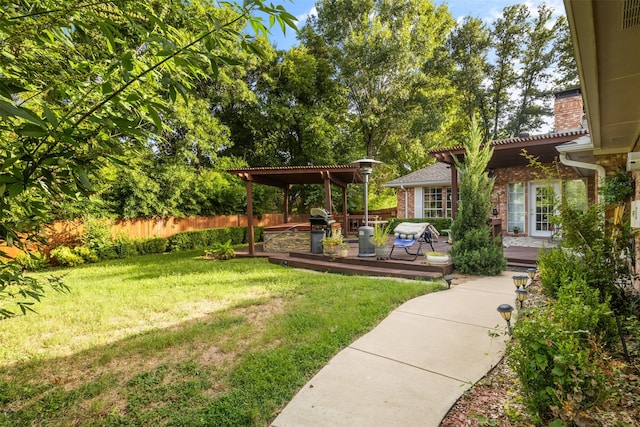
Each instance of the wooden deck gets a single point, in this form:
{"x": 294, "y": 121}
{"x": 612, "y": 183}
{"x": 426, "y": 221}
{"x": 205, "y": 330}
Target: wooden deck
{"x": 518, "y": 258}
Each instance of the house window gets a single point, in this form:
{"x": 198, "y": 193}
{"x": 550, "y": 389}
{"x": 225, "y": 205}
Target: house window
{"x": 449, "y": 211}
{"x": 515, "y": 206}
{"x": 575, "y": 194}
{"x": 433, "y": 202}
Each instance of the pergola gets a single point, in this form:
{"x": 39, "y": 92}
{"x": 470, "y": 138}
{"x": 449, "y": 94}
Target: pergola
{"x": 285, "y": 177}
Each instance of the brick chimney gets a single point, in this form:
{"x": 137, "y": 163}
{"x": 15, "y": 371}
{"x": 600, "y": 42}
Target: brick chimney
{"x": 568, "y": 110}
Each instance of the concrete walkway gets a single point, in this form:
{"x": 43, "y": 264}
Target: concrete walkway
{"x": 414, "y": 365}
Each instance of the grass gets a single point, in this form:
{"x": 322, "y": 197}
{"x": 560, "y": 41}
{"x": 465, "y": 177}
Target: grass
{"x": 175, "y": 340}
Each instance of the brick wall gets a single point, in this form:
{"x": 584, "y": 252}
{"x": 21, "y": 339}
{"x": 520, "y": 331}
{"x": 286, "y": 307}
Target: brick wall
{"x": 612, "y": 162}
{"x": 568, "y": 112}
{"x": 526, "y": 174}
{"x": 401, "y": 202}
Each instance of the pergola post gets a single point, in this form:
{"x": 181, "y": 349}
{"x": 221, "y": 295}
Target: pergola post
{"x": 327, "y": 191}
{"x": 286, "y": 205}
{"x": 345, "y": 225}
{"x": 250, "y": 234}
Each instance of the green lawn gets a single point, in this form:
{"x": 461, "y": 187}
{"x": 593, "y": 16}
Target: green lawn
{"x": 176, "y": 340}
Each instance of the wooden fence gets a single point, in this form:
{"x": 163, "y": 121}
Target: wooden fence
{"x": 69, "y": 232}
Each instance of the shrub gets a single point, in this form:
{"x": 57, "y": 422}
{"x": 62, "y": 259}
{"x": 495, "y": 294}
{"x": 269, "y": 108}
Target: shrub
{"x": 204, "y": 238}
{"x": 65, "y": 256}
{"x": 154, "y": 245}
{"x": 556, "y": 355}
{"x": 86, "y": 254}
{"x": 223, "y": 251}
{"x": 97, "y": 232}
{"x": 124, "y": 247}
{"x": 32, "y": 261}
{"x": 473, "y": 250}
{"x": 557, "y": 266}
{"x": 477, "y": 253}
{"x": 106, "y": 250}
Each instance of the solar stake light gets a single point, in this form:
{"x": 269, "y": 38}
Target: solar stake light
{"x": 505, "y": 311}
{"x": 520, "y": 281}
{"x": 448, "y": 279}
{"x": 521, "y": 294}
{"x": 532, "y": 273}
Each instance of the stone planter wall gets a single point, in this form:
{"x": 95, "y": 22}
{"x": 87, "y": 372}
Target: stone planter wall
{"x": 287, "y": 241}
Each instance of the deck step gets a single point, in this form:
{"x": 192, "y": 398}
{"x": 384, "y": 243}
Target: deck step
{"x": 322, "y": 264}
{"x": 403, "y": 264}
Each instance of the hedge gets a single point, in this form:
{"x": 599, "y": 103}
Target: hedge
{"x": 204, "y": 238}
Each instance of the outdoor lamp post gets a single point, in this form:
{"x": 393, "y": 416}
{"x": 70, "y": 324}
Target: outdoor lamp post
{"x": 520, "y": 281}
{"x": 505, "y": 311}
{"x": 521, "y": 294}
{"x": 448, "y": 279}
{"x": 365, "y": 233}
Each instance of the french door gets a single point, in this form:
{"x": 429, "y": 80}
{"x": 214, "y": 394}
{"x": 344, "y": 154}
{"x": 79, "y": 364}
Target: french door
{"x": 544, "y": 198}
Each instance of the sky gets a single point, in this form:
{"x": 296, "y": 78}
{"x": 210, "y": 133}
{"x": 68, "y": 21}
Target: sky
{"x": 487, "y": 10}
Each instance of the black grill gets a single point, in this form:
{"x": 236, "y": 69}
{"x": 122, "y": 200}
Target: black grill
{"x": 320, "y": 219}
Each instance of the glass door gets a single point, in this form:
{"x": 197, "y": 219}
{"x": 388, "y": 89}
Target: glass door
{"x": 544, "y": 199}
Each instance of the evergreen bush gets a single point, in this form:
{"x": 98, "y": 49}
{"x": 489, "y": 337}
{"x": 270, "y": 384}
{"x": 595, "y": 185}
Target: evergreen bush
{"x": 209, "y": 237}
{"x": 125, "y": 247}
{"x": 473, "y": 250}
{"x": 153, "y": 245}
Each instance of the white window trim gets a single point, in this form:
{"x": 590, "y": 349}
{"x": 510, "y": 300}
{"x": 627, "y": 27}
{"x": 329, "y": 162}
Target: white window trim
{"x": 418, "y": 203}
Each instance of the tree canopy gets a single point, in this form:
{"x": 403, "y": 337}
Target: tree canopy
{"x": 84, "y": 83}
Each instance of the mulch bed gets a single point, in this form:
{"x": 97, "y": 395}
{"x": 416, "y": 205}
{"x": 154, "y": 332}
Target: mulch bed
{"x": 495, "y": 400}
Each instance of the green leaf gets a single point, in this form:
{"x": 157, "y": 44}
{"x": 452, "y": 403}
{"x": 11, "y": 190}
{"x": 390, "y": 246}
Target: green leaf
{"x": 11, "y": 110}
{"x": 32, "y": 130}
{"x": 82, "y": 176}
{"x": 541, "y": 361}
{"x": 127, "y": 61}
{"x": 50, "y": 116}
{"x": 106, "y": 31}
{"x": 157, "y": 121}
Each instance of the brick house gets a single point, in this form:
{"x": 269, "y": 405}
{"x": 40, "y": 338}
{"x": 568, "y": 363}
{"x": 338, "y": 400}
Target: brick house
{"x": 605, "y": 38}
{"x": 522, "y": 198}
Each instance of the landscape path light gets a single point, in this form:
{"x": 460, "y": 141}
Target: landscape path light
{"x": 532, "y": 274}
{"x": 521, "y": 294}
{"x": 505, "y": 311}
{"x": 448, "y": 279}
{"x": 520, "y": 281}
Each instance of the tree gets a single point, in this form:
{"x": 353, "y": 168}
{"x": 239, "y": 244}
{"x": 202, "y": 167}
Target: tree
{"x": 468, "y": 46}
{"x": 379, "y": 48}
{"x": 473, "y": 250}
{"x": 536, "y": 61}
{"x": 566, "y": 69}
{"x": 508, "y": 36}
{"x": 80, "y": 82}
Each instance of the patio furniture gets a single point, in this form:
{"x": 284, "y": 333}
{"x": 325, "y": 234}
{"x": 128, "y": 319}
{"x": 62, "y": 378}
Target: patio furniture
{"x": 409, "y": 233}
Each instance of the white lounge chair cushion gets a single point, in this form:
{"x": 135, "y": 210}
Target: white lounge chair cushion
{"x": 413, "y": 230}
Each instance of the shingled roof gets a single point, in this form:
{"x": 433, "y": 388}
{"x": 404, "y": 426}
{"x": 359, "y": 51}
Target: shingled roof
{"x": 435, "y": 174}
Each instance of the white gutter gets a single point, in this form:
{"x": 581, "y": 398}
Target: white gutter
{"x": 591, "y": 166}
